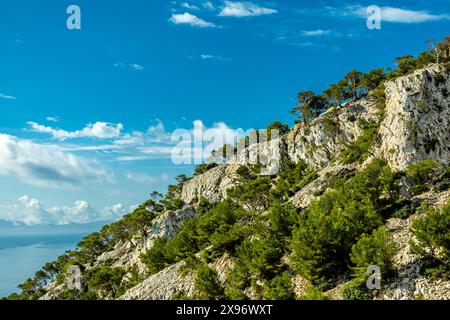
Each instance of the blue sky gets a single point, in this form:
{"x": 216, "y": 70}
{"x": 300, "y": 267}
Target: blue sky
{"x": 86, "y": 115}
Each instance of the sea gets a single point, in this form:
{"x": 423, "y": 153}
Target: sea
{"x": 24, "y": 250}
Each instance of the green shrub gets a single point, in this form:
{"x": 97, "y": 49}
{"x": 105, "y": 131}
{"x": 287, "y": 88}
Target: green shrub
{"x": 260, "y": 256}
{"x": 282, "y": 128}
{"x": 279, "y": 288}
{"x": 446, "y": 174}
{"x": 378, "y": 249}
{"x": 313, "y": 293}
{"x": 432, "y": 234}
{"x": 207, "y": 284}
{"x": 244, "y": 172}
{"x": 406, "y": 210}
{"x": 203, "y": 168}
{"x": 291, "y": 179}
{"x": 252, "y": 194}
{"x": 355, "y": 290}
{"x": 422, "y": 172}
{"x": 330, "y": 126}
{"x": 358, "y": 151}
{"x": 156, "y": 258}
{"x": 105, "y": 279}
{"x": 442, "y": 186}
{"x": 326, "y": 232}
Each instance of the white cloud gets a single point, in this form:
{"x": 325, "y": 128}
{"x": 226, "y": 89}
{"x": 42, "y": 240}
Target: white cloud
{"x": 136, "y": 67}
{"x": 213, "y": 57}
{"x": 46, "y": 165}
{"x": 31, "y": 211}
{"x": 157, "y": 142}
{"x": 130, "y": 139}
{"x": 392, "y": 14}
{"x": 244, "y": 9}
{"x": 7, "y": 97}
{"x": 192, "y": 20}
{"x": 144, "y": 178}
{"x": 74, "y": 147}
{"x": 99, "y": 130}
{"x": 131, "y": 66}
{"x": 114, "y": 212}
{"x": 189, "y": 6}
{"x": 318, "y": 32}
{"x": 157, "y": 132}
{"x": 208, "y": 5}
{"x": 154, "y": 134}
{"x": 52, "y": 119}
{"x": 156, "y": 150}
{"x": 133, "y": 158}
{"x": 28, "y": 211}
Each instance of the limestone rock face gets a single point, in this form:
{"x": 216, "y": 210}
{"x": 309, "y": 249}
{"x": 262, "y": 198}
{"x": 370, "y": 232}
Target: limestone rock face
{"x": 269, "y": 154}
{"x": 327, "y": 136}
{"x": 417, "y": 120}
{"x": 162, "y": 286}
{"x": 54, "y": 290}
{"x": 303, "y": 198}
{"x": 168, "y": 224}
{"x": 211, "y": 185}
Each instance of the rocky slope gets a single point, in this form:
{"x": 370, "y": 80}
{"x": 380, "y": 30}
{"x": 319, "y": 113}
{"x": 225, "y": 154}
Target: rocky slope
{"x": 414, "y": 126}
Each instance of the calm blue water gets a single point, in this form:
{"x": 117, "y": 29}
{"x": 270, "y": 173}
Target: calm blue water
{"x": 22, "y": 254}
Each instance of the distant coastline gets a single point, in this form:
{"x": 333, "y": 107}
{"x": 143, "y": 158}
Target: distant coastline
{"x": 24, "y": 249}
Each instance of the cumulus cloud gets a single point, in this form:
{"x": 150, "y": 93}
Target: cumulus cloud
{"x": 244, "y": 9}
{"x": 6, "y": 97}
{"x": 28, "y": 211}
{"x": 46, "y": 165}
{"x": 192, "y": 20}
{"x": 31, "y": 211}
{"x": 99, "y": 130}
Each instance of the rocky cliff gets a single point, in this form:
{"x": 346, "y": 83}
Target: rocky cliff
{"x": 413, "y": 125}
